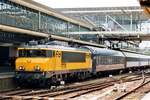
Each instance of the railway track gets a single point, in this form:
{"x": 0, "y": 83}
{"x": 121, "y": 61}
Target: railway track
{"x": 87, "y": 89}
{"x": 138, "y": 88}
{"x": 70, "y": 91}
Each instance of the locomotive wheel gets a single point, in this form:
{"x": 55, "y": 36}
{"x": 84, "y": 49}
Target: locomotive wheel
{"x": 54, "y": 81}
{"x": 81, "y": 76}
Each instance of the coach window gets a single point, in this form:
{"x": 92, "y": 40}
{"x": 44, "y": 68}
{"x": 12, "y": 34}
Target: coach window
{"x": 122, "y": 60}
{"x": 99, "y": 59}
{"x": 115, "y": 60}
{"x": 103, "y": 60}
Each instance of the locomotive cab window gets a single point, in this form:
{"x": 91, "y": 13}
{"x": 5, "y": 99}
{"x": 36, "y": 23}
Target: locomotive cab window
{"x": 35, "y": 53}
{"x": 73, "y": 57}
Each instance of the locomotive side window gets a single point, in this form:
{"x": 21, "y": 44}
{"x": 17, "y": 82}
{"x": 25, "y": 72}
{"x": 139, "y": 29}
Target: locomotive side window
{"x": 73, "y": 57}
{"x": 99, "y": 59}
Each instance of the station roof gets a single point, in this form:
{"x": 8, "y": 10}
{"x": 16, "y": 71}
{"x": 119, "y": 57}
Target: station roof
{"x": 105, "y": 10}
{"x": 117, "y": 35}
{"x": 45, "y": 9}
{"x": 44, "y": 35}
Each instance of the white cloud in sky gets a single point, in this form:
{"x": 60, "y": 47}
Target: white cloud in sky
{"x": 87, "y": 3}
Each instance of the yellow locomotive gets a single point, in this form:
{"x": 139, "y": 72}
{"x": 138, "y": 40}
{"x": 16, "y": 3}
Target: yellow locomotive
{"x": 51, "y": 63}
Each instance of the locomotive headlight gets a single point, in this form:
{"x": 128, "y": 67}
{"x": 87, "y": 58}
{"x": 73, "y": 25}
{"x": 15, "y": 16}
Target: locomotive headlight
{"x": 21, "y": 68}
{"x": 37, "y": 68}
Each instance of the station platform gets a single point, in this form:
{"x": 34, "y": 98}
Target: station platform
{"x": 7, "y": 80}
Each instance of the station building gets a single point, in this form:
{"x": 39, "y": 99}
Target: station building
{"x": 129, "y": 18}
{"x": 25, "y": 20}
{"x": 113, "y": 19}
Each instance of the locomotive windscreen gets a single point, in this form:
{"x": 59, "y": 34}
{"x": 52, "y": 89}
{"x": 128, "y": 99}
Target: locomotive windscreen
{"x": 34, "y": 53}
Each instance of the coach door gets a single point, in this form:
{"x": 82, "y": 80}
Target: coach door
{"x": 93, "y": 64}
